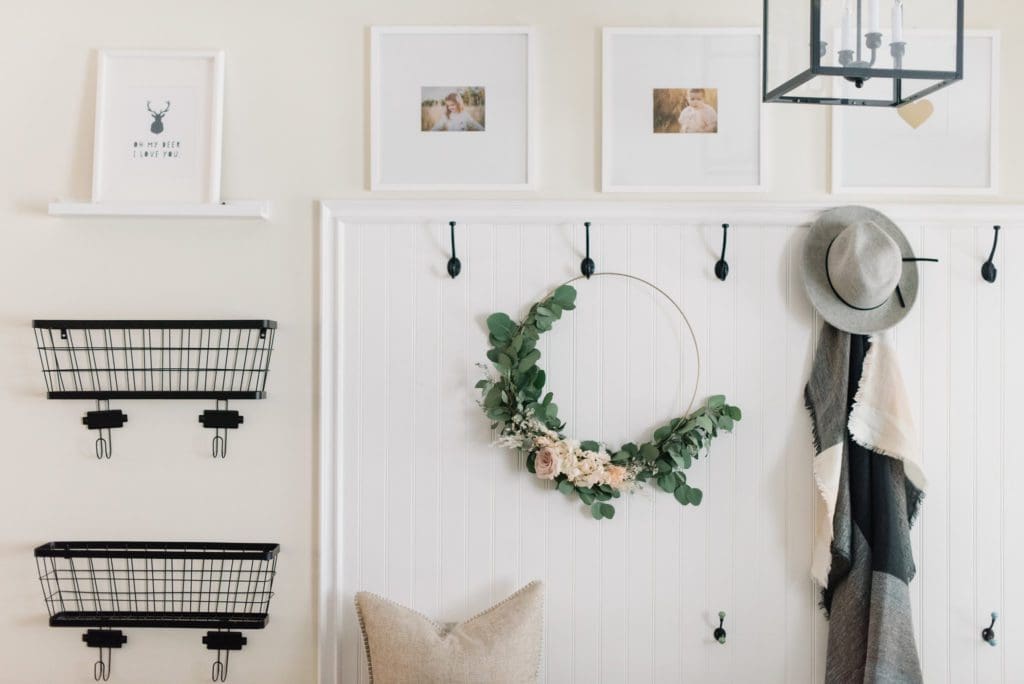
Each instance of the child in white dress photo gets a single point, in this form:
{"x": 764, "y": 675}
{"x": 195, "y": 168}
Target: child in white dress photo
{"x": 451, "y": 109}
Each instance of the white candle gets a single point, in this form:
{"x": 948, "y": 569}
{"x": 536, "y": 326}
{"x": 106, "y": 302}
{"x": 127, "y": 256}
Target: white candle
{"x": 848, "y": 29}
{"x": 873, "y": 23}
{"x": 897, "y": 21}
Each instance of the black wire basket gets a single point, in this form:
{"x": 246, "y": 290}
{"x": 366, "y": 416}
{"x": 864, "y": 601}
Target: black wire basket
{"x": 198, "y": 585}
{"x": 156, "y": 359}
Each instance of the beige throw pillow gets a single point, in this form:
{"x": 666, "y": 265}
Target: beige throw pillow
{"x": 501, "y": 644}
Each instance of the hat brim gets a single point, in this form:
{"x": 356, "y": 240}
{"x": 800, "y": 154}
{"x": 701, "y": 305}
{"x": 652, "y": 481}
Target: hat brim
{"x": 824, "y": 299}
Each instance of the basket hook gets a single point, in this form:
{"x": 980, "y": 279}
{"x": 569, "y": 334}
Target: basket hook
{"x": 101, "y": 639}
{"x": 219, "y": 671}
{"x": 103, "y": 420}
{"x": 223, "y": 642}
{"x": 104, "y": 446}
{"x": 101, "y": 669}
{"x": 221, "y": 420}
{"x": 220, "y": 445}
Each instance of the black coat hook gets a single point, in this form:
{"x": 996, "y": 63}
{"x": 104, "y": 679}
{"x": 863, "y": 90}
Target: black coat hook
{"x": 454, "y": 265}
{"x": 587, "y": 267}
{"x": 720, "y": 630}
{"x": 988, "y": 269}
{"x": 989, "y": 633}
{"x": 721, "y": 266}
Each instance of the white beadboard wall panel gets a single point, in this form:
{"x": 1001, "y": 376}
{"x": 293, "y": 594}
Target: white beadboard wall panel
{"x": 435, "y": 517}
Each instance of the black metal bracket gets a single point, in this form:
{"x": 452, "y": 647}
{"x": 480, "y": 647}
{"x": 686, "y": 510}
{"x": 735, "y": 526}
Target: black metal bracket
{"x": 454, "y": 265}
{"x": 104, "y": 639}
{"x": 104, "y": 419}
{"x": 227, "y": 642}
{"x": 587, "y": 266}
{"x": 722, "y": 266}
{"x": 988, "y": 269}
{"x": 989, "y": 633}
{"x": 221, "y": 420}
{"x": 720, "y": 630}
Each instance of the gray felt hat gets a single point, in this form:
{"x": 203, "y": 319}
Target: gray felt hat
{"x": 856, "y": 270}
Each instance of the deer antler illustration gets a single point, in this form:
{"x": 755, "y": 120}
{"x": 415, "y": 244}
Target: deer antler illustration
{"x": 158, "y": 117}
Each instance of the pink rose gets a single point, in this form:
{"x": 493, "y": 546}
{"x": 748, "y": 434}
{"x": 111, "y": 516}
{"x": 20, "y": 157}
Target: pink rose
{"x": 545, "y": 464}
{"x": 615, "y": 475}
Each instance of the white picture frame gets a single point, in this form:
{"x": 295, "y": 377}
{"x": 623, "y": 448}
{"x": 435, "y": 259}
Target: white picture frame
{"x": 406, "y": 62}
{"x": 190, "y": 81}
{"x": 908, "y": 158}
{"x": 637, "y": 61}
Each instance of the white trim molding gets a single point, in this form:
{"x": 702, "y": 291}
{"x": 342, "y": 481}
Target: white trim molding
{"x": 257, "y": 209}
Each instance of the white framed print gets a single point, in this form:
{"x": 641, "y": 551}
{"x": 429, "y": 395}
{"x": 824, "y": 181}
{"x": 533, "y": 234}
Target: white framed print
{"x": 911, "y": 150}
{"x": 681, "y": 110}
{"x": 158, "y": 126}
{"x": 451, "y": 108}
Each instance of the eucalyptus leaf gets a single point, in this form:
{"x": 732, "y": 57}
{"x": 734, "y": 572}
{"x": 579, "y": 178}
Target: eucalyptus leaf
{"x": 493, "y": 397}
{"x": 529, "y": 360}
{"x": 695, "y": 496}
{"x": 501, "y": 326}
{"x": 566, "y": 487}
{"x": 648, "y": 452}
{"x": 682, "y": 494}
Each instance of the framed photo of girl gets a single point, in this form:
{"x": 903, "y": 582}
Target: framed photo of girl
{"x": 681, "y": 110}
{"x": 158, "y": 126}
{"x": 451, "y": 108}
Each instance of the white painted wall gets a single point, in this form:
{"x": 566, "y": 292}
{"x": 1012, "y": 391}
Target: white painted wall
{"x": 295, "y": 119}
{"x": 435, "y": 517}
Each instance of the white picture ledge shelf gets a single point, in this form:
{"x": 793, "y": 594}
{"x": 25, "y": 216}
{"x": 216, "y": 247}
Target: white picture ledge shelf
{"x": 255, "y": 209}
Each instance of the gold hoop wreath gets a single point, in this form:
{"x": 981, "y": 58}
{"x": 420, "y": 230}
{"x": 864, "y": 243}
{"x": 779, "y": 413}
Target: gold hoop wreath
{"x": 527, "y": 417}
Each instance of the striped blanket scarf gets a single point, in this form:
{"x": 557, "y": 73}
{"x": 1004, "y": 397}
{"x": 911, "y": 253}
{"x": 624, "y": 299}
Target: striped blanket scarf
{"x": 870, "y": 483}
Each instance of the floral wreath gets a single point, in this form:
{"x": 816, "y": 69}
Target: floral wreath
{"x": 514, "y": 399}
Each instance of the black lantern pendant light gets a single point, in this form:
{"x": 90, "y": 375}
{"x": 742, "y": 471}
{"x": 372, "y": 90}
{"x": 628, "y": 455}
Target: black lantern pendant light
{"x": 856, "y": 52}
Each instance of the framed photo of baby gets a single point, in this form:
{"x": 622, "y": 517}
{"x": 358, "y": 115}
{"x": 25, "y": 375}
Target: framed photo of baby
{"x": 685, "y": 110}
{"x": 681, "y": 110}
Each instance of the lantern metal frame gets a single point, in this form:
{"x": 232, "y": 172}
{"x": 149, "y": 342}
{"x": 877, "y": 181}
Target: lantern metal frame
{"x": 858, "y": 75}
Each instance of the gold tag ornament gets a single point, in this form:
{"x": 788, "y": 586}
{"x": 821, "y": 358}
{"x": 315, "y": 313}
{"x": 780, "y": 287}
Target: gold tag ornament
{"x": 917, "y": 112}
